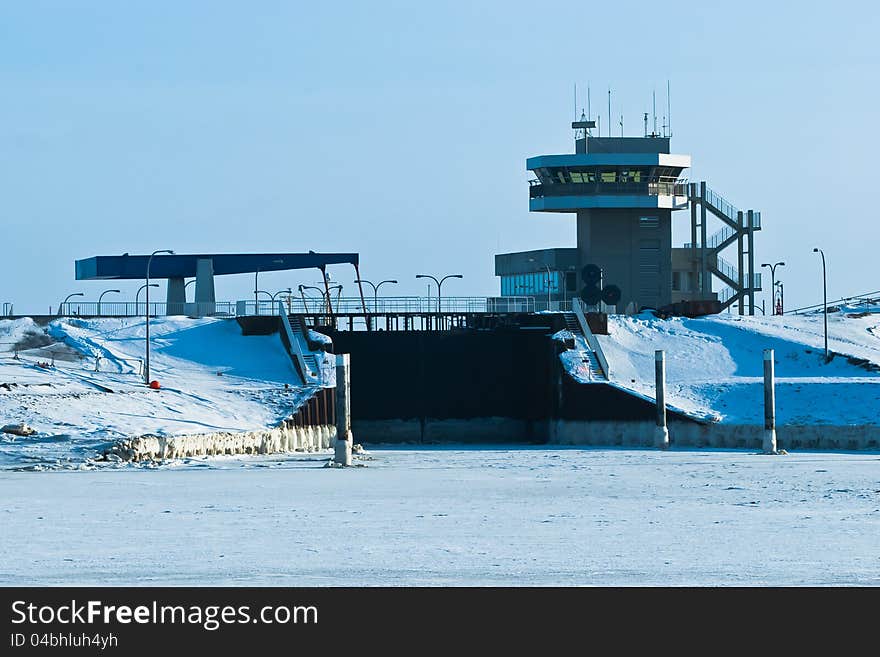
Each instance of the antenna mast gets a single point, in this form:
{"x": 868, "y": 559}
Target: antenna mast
{"x": 668, "y": 108}
{"x": 609, "y": 111}
{"x": 654, "y": 95}
{"x": 589, "y": 111}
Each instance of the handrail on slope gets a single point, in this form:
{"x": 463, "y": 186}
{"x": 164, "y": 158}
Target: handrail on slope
{"x": 592, "y": 342}
{"x": 295, "y": 346}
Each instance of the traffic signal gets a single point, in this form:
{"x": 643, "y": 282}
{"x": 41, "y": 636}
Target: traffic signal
{"x": 592, "y": 293}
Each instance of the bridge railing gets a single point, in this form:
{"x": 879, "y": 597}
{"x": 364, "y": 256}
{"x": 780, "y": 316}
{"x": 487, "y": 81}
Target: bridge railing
{"x": 139, "y": 309}
{"x": 311, "y": 306}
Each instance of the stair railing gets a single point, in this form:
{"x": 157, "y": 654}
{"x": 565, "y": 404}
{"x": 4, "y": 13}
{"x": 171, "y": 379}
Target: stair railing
{"x": 592, "y": 342}
{"x": 296, "y": 348}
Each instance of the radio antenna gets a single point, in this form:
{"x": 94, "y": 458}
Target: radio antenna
{"x": 589, "y": 111}
{"x": 668, "y": 108}
{"x": 654, "y": 95}
{"x": 609, "y": 111}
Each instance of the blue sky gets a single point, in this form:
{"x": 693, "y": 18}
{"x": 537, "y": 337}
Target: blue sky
{"x": 400, "y": 130}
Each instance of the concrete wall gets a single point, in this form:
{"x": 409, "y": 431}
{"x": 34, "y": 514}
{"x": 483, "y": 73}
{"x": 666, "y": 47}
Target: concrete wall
{"x": 733, "y": 436}
{"x": 480, "y": 430}
{"x": 614, "y": 239}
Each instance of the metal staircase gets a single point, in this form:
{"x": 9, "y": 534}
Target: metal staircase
{"x": 589, "y": 356}
{"x": 308, "y": 357}
{"x": 576, "y": 322}
{"x": 738, "y": 228}
{"x": 294, "y": 339}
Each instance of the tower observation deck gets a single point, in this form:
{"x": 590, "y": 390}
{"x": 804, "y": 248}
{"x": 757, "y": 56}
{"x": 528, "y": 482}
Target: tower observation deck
{"x": 623, "y": 192}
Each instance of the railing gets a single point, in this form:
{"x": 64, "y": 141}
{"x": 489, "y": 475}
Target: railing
{"x": 310, "y": 306}
{"x": 727, "y": 269}
{"x": 725, "y": 207}
{"x": 714, "y": 240}
{"x": 296, "y": 347}
{"x": 732, "y": 273}
{"x": 592, "y": 342}
{"x": 393, "y": 305}
{"x": 726, "y": 293}
{"x": 132, "y": 309}
{"x": 586, "y": 189}
{"x": 867, "y": 299}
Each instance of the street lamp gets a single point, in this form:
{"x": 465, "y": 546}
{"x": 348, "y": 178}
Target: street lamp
{"x": 288, "y": 291}
{"x": 309, "y": 287}
{"x": 773, "y": 282}
{"x": 375, "y": 289}
{"x": 439, "y": 283}
{"x": 548, "y": 280}
{"x": 147, "y": 337}
{"x": 102, "y": 296}
{"x": 824, "y": 299}
{"x": 138, "y": 296}
{"x": 75, "y": 294}
{"x": 338, "y": 289}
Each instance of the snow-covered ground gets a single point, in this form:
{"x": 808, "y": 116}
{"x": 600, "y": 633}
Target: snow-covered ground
{"x": 501, "y": 516}
{"x": 212, "y": 379}
{"x": 454, "y": 516}
{"x": 714, "y": 365}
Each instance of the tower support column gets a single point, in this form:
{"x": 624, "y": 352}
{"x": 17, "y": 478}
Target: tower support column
{"x": 205, "y": 303}
{"x": 175, "y": 298}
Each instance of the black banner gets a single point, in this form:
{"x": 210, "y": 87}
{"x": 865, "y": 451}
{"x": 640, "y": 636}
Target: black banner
{"x": 127, "y": 621}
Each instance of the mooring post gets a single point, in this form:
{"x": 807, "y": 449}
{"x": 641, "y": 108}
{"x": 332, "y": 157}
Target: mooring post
{"x": 343, "y": 410}
{"x": 769, "y": 404}
{"x": 661, "y": 433}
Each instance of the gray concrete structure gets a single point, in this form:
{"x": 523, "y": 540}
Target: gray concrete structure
{"x": 623, "y": 191}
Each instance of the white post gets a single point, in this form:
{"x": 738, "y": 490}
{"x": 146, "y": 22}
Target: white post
{"x": 343, "y": 410}
{"x": 769, "y": 442}
{"x": 661, "y": 433}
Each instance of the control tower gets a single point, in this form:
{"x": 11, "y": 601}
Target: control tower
{"x": 623, "y": 192}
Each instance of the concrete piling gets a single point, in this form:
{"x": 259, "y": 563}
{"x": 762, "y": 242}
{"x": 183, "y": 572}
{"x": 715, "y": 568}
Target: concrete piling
{"x": 343, "y": 410}
{"x": 769, "y": 440}
{"x": 661, "y": 433}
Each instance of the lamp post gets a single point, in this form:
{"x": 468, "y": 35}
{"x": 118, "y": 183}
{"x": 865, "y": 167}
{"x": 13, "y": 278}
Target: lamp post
{"x": 288, "y": 291}
{"x": 375, "y": 289}
{"x": 547, "y": 267}
{"x": 102, "y": 296}
{"x": 773, "y": 282}
{"x": 138, "y": 296}
{"x": 439, "y": 283}
{"x": 824, "y": 299}
{"x": 309, "y": 287}
{"x": 75, "y": 294}
{"x": 147, "y": 314}
{"x": 338, "y": 289}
